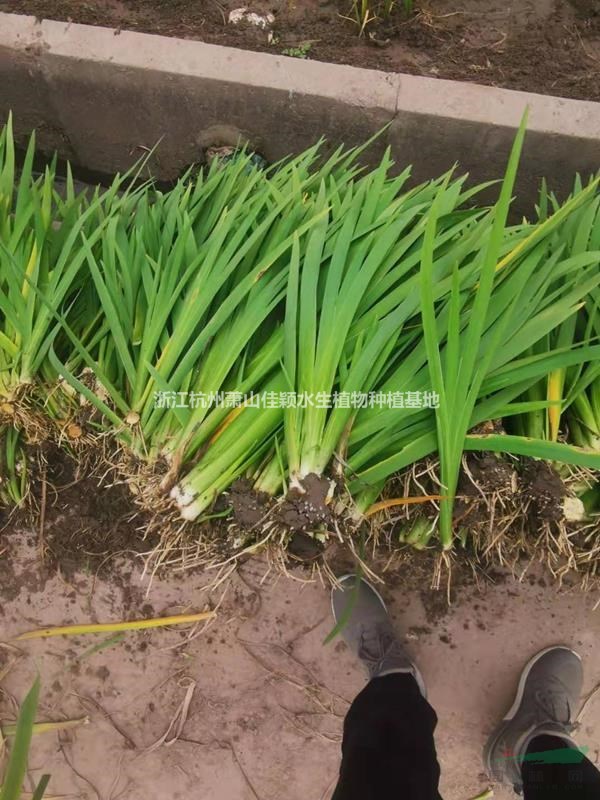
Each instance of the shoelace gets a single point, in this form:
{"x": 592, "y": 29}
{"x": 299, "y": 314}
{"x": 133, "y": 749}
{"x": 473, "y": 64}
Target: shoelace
{"x": 375, "y": 645}
{"x": 553, "y": 700}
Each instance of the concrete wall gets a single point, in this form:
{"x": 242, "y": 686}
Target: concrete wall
{"x": 102, "y": 97}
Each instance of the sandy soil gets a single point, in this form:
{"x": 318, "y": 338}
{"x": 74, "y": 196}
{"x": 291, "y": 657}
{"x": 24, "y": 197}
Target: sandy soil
{"x": 267, "y": 697}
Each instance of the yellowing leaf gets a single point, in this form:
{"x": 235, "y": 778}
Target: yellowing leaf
{"x": 109, "y": 627}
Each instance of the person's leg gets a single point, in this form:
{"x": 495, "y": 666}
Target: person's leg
{"x": 388, "y": 750}
{"x": 532, "y": 749}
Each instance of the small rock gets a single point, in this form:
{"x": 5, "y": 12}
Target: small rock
{"x": 242, "y": 14}
{"x": 573, "y": 509}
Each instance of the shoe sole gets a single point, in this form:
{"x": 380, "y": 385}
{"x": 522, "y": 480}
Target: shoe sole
{"x": 512, "y": 711}
{"x": 416, "y": 672}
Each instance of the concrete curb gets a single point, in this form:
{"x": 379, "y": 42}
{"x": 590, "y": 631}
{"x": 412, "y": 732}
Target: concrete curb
{"x": 101, "y": 97}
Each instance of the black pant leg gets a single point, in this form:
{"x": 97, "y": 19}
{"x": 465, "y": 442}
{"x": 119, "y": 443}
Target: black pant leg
{"x": 388, "y": 752}
{"x": 551, "y": 771}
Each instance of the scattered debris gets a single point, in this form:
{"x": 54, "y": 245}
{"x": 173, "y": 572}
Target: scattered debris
{"x": 178, "y": 720}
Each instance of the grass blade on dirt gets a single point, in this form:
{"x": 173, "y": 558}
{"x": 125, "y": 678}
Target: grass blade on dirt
{"x": 19, "y": 753}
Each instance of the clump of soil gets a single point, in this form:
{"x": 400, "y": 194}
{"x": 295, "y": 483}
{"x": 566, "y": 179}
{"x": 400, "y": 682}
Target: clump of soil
{"x": 249, "y": 507}
{"x": 487, "y": 474}
{"x": 298, "y": 513}
{"x": 491, "y": 473}
{"x": 304, "y": 548}
{"x": 308, "y": 509}
{"x": 84, "y": 520}
{"x": 537, "y": 492}
{"x": 544, "y": 489}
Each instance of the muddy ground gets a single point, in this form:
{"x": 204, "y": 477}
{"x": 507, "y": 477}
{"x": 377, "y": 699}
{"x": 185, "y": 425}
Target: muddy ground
{"x": 266, "y": 696}
{"x": 546, "y": 46}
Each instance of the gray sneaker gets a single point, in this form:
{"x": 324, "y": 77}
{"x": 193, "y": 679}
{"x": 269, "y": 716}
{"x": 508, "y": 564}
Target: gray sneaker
{"x": 368, "y": 630}
{"x": 547, "y": 697}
